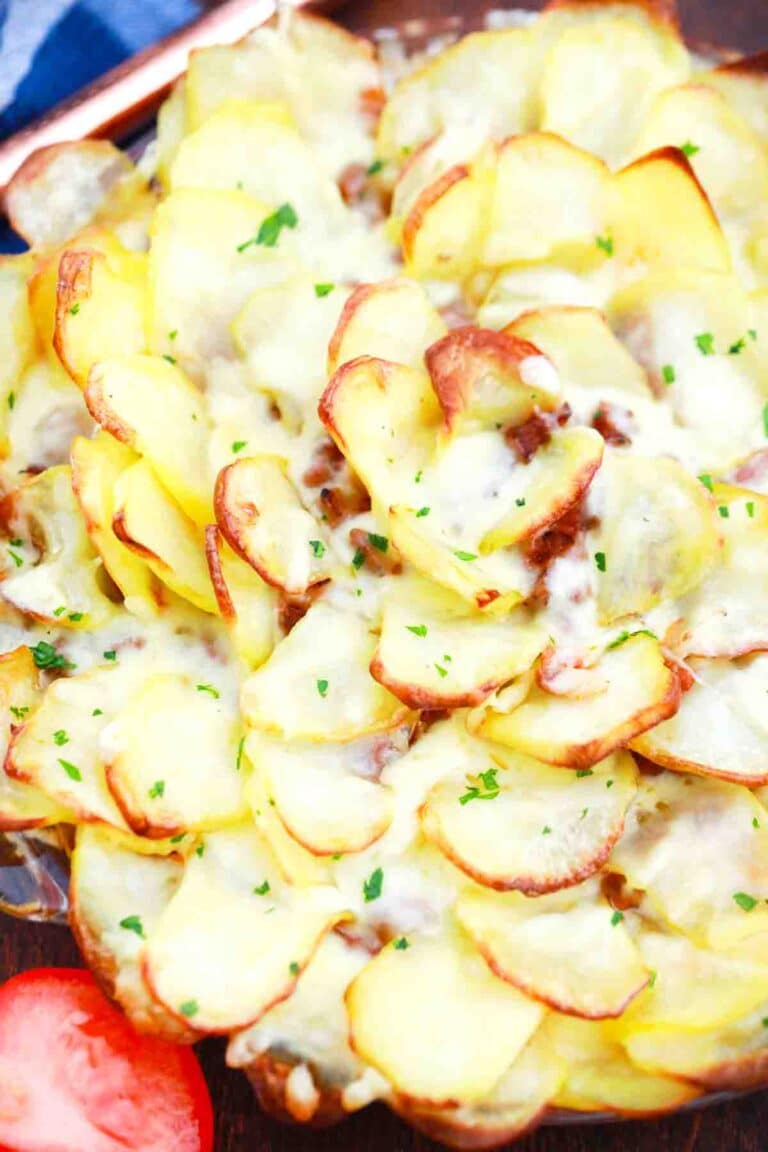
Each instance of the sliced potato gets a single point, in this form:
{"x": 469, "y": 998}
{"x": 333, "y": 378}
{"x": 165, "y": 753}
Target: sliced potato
{"x": 720, "y": 729}
{"x": 658, "y": 534}
{"x": 17, "y": 338}
{"x": 640, "y": 692}
{"x": 483, "y": 378}
{"x": 316, "y": 685}
{"x": 406, "y": 1008}
{"x": 101, "y": 308}
{"x": 96, "y": 465}
{"x": 173, "y": 763}
{"x": 296, "y": 863}
{"x": 568, "y": 950}
{"x": 261, "y": 517}
{"x": 447, "y": 224}
{"x": 434, "y": 653}
{"x": 530, "y": 176}
{"x": 327, "y": 795}
{"x": 63, "y": 587}
{"x": 116, "y": 898}
{"x": 247, "y": 605}
{"x": 392, "y": 320}
{"x": 676, "y": 818}
{"x": 221, "y": 954}
{"x": 138, "y": 399}
{"x": 540, "y": 828}
{"x": 148, "y": 522}
{"x": 743, "y": 84}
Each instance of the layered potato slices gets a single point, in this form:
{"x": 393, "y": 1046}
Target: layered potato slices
{"x": 384, "y": 567}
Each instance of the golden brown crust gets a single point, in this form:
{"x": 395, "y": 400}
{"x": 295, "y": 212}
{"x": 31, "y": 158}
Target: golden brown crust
{"x": 659, "y": 11}
{"x": 756, "y": 67}
{"x": 268, "y": 1075}
{"x": 425, "y": 699}
{"x": 213, "y": 541}
{"x": 73, "y": 286}
{"x": 426, "y": 199}
{"x": 443, "y": 1125}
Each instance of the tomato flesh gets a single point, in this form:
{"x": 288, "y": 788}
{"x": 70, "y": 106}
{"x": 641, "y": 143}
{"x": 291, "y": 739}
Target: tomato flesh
{"x": 75, "y": 1077}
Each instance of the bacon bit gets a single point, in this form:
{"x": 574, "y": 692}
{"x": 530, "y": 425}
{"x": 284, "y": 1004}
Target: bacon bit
{"x": 372, "y": 101}
{"x": 382, "y": 563}
{"x": 647, "y": 767}
{"x": 618, "y": 894}
{"x": 610, "y": 421}
{"x": 291, "y": 609}
{"x": 360, "y": 191}
{"x": 425, "y": 722}
{"x": 339, "y": 503}
{"x": 556, "y": 539}
{"x": 364, "y": 936}
{"x": 525, "y": 439}
{"x": 326, "y": 463}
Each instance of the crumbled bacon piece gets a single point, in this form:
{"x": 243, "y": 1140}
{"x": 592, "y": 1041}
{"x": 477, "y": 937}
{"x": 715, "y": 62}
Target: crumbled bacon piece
{"x": 291, "y": 609}
{"x": 364, "y": 936}
{"x": 383, "y": 563}
{"x": 525, "y": 439}
{"x": 342, "y": 499}
{"x": 556, "y": 539}
{"x": 326, "y": 463}
{"x": 618, "y": 893}
{"x": 613, "y": 423}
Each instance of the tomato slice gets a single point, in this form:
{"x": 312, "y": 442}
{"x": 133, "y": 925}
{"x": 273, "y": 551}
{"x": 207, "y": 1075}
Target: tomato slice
{"x": 75, "y": 1077}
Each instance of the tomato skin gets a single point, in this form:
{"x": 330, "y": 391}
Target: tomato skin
{"x": 76, "y": 1077}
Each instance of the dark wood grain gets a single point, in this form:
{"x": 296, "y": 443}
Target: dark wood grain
{"x": 740, "y": 1126}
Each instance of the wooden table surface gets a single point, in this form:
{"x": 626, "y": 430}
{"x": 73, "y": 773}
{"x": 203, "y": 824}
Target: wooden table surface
{"x": 740, "y": 1126}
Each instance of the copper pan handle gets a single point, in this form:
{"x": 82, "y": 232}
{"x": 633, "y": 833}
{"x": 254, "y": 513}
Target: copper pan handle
{"x": 122, "y": 100}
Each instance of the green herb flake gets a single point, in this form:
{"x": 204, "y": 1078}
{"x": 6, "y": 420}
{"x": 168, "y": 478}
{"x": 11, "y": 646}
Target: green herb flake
{"x": 605, "y": 244}
{"x": 706, "y": 480}
{"x": 668, "y": 373}
{"x": 724, "y": 511}
{"x": 400, "y": 944}
{"x": 624, "y": 636}
{"x": 19, "y": 713}
{"x": 177, "y": 839}
{"x": 238, "y": 445}
{"x": 261, "y": 889}
{"x": 200, "y": 850}
{"x": 467, "y": 557}
{"x": 133, "y": 924}
{"x": 358, "y": 559}
{"x": 294, "y": 968}
{"x": 380, "y": 543}
{"x": 75, "y": 617}
{"x": 688, "y": 149}
{"x": 745, "y": 901}
{"x": 17, "y": 560}
{"x": 546, "y": 830}
{"x": 422, "y": 512}
{"x": 373, "y": 885}
{"x": 755, "y": 822}
{"x": 652, "y": 978}
{"x": 322, "y": 688}
{"x": 110, "y": 655}
{"x": 520, "y": 502}
{"x": 59, "y": 611}
{"x": 486, "y": 789}
{"x": 11, "y": 400}
{"x": 600, "y": 561}
{"x": 209, "y": 688}
{"x": 616, "y": 918}
{"x": 705, "y": 342}
{"x": 47, "y": 657}
{"x": 442, "y": 672}
{"x": 322, "y": 290}
{"x": 582, "y": 772}
{"x": 417, "y": 478}
{"x": 157, "y": 790}
{"x": 318, "y": 548}
{"x": 239, "y": 760}
{"x": 71, "y": 770}
{"x": 750, "y": 506}
{"x": 738, "y": 347}
{"x": 417, "y": 629}
{"x": 765, "y": 419}
{"x": 374, "y": 168}
{"x": 170, "y": 359}
{"x": 60, "y": 738}
{"x": 752, "y": 333}
{"x": 584, "y": 812}
{"x": 271, "y": 227}
{"x": 174, "y": 334}
{"x": 97, "y": 712}
{"x": 74, "y": 309}
{"x": 189, "y": 1008}
{"x": 609, "y": 783}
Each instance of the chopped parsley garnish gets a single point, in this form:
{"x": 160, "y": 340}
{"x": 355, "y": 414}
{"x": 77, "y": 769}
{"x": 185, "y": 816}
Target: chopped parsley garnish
{"x": 584, "y": 812}
{"x": 238, "y": 445}
{"x": 71, "y": 770}
{"x": 616, "y": 918}
{"x": 177, "y": 839}
{"x": 17, "y": 543}
{"x": 323, "y": 290}
{"x": 200, "y": 850}
{"x": 669, "y": 374}
{"x": 18, "y": 560}
{"x": 467, "y": 557}
{"x": 724, "y": 511}
{"x": 240, "y": 748}
{"x": 581, "y": 772}
{"x": 74, "y": 309}
{"x": 380, "y": 543}
{"x": 75, "y": 617}
{"x": 750, "y": 506}
{"x": 605, "y": 244}
{"x": 688, "y": 149}
{"x": 624, "y": 636}
{"x": 752, "y": 333}
{"x": 744, "y": 901}
{"x": 271, "y": 227}
{"x": 133, "y": 924}
{"x": 97, "y": 712}
{"x": 261, "y": 889}
{"x": 19, "y": 713}
{"x": 442, "y": 672}
{"x": 318, "y": 548}
{"x": 652, "y": 978}
{"x": 189, "y": 1008}
{"x": 372, "y": 169}
{"x": 765, "y": 419}
{"x": 157, "y": 790}
{"x": 174, "y": 334}
{"x": 546, "y": 830}
{"x": 706, "y": 480}
{"x": 417, "y": 629}
{"x": 755, "y": 822}
{"x": 418, "y": 476}
{"x": 400, "y": 944}
{"x": 209, "y": 688}
{"x": 705, "y": 342}
{"x": 11, "y": 400}
{"x": 373, "y": 885}
{"x": 738, "y": 347}
{"x": 294, "y": 968}
{"x": 322, "y": 688}
{"x": 46, "y": 657}
{"x": 487, "y": 789}
{"x": 609, "y": 783}
{"x": 422, "y": 512}
{"x": 358, "y": 559}
{"x": 600, "y": 561}
{"x": 169, "y": 358}
{"x": 520, "y": 502}
{"x": 110, "y": 655}
{"x": 60, "y": 738}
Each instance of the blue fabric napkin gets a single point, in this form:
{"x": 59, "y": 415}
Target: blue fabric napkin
{"x": 51, "y": 48}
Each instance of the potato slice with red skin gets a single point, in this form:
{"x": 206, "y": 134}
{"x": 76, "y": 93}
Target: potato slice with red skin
{"x": 434, "y": 653}
{"x": 96, "y": 465}
{"x": 722, "y": 902}
{"x": 575, "y": 733}
{"x": 446, "y": 226}
{"x": 482, "y": 378}
{"x": 661, "y": 216}
{"x": 153, "y": 526}
{"x": 393, "y": 319}
{"x": 247, "y": 605}
{"x": 137, "y": 399}
{"x": 407, "y": 1003}
{"x": 378, "y": 412}
{"x": 568, "y": 950}
{"x": 530, "y": 174}
{"x": 221, "y": 954}
{"x": 261, "y": 517}
{"x": 538, "y": 828}
{"x": 101, "y": 308}
{"x": 316, "y": 685}
{"x": 720, "y": 728}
